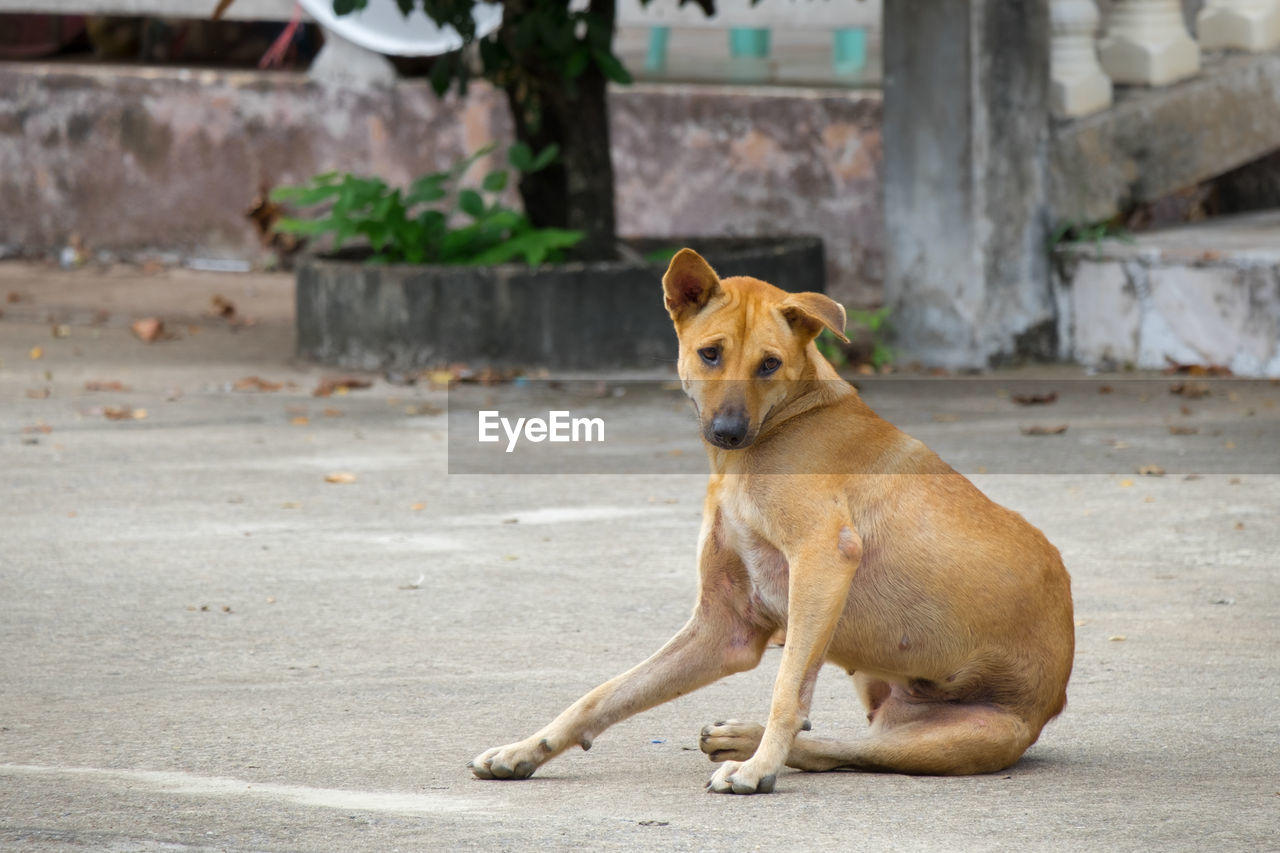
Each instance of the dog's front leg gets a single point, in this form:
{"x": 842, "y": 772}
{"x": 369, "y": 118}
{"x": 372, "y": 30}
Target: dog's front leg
{"x": 718, "y": 640}
{"x": 821, "y": 571}
{"x": 705, "y": 650}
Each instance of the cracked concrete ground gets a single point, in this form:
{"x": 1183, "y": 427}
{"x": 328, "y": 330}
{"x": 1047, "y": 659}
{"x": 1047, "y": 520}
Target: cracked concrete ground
{"x": 208, "y": 646}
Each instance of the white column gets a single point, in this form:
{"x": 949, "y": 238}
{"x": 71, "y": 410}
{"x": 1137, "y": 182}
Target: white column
{"x": 1147, "y": 43}
{"x": 1252, "y": 25}
{"x": 1078, "y": 84}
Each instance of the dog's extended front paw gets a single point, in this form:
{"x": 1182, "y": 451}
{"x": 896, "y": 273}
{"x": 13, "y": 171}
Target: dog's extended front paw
{"x": 730, "y": 740}
{"x": 740, "y": 777}
{"x": 513, "y": 761}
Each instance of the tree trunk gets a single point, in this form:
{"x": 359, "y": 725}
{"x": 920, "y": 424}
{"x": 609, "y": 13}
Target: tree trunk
{"x": 577, "y": 190}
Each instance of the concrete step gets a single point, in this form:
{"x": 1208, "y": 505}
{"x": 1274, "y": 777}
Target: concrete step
{"x": 1206, "y": 293}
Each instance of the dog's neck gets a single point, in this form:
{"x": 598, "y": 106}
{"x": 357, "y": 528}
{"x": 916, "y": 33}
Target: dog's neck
{"x": 822, "y": 387}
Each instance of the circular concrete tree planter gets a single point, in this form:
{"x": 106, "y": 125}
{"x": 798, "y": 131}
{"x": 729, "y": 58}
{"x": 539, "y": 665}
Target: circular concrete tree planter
{"x": 562, "y": 316}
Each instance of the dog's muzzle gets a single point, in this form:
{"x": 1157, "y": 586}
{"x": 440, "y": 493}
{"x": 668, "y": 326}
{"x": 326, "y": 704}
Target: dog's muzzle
{"x": 728, "y": 429}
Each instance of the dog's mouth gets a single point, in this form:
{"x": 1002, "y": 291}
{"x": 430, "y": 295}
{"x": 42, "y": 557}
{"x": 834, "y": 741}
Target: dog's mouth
{"x": 728, "y": 444}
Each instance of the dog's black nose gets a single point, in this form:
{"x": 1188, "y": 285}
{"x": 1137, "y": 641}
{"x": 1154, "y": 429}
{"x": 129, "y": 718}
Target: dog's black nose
{"x": 728, "y": 429}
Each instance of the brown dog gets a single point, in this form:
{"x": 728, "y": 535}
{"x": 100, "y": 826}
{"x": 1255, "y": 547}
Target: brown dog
{"x": 952, "y": 613}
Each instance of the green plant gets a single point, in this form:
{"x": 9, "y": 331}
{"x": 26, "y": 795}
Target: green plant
{"x": 1080, "y": 231}
{"x": 427, "y": 222}
{"x": 875, "y": 324}
{"x": 554, "y": 60}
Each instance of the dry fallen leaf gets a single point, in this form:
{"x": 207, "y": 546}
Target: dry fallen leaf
{"x": 944, "y": 418}
{"x": 342, "y": 385}
{"x": 418, "y": 507}
{"x": 1196, "y": 369}
{"x": 1105, "y": 389}
{"x": 1040, "y": 429}
{"x": 38, "y": 393}
{"x": 300, "y": 420}
{"x": 440, "y": 378}
{"x": 60, "y": 330}
{"x": 1081, "y": 622}
{"x": 1125, "y": 484}
{"x": 256, "y": 383}
{"x": 423, "y": 409}
{"x": 332, "y": 413}
{"x": 1190, "y": 390}
{"x": 1239, "y": 525}
{"x": 1228, "y": 445}
{"x": 114, "y": 413}
{"x": 98, "y": 385}
{"x": 36, "y": 353}
{"x": 1176, "y": 429}
{"x": 149, "y": 329}
{"x": 1035, "y": 399}
{"x": 221, "y": 306}
{"x": 1151, "y": 471}
{"x": 342, "y": 477}
{"x": 1117, "y": 638}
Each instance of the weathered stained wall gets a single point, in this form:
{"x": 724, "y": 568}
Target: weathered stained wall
{"x": 150, "y": 158}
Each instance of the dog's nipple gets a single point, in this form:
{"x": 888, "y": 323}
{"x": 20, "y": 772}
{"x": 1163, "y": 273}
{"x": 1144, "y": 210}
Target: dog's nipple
{"x": 849, "y": 545}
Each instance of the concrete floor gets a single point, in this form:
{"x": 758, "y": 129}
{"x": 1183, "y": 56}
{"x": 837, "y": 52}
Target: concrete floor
{"x": 207, "y": 646}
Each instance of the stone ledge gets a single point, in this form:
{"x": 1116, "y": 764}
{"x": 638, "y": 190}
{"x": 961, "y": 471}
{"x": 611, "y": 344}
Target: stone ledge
{"x": 1156, "y": 141}
{"x": 1205, "y": 294}
{"x": 159, "y": 158}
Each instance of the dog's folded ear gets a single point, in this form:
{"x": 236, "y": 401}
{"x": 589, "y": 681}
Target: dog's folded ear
{"x": 689, "y": 284}
{"x": 808, "y": 313}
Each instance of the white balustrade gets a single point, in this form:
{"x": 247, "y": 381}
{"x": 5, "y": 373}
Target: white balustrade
{"x": 1078, "y": 84}
{"x": 1147, "y": 43}
{"x": 1252, "y": 25}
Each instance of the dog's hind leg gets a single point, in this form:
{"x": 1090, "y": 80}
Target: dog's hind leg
{"x": 934, "y": 739}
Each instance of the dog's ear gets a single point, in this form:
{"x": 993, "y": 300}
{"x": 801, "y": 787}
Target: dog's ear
{"x": 689, "y": 284}
{"x": 808, "y": 313}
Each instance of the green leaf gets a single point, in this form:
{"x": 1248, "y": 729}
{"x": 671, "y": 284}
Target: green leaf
{"x": 471, "y": 203}
{"x": 520, "y": 157}
{"x": 506, "y": 219}
{"x": 495, "y": 181}
{"x": 427, "y": 189}
{"x": 443, "y": 70}
{"x": 661, "y": 256}
{"x": 610, "y": 66}
{"x": 534, "y": 245}
{"x": 545, "y": 158}
{"x": 304, "y": 227}
{"x": 464, "y": 165}
{"x": 346, "y": 7}
{"x": 577, "y": 63}
{"x": 306, "y": 195}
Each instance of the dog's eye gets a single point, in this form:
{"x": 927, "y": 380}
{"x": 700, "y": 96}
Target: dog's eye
{"x": 769, "y": 365}
{"x": 711, "y": 355}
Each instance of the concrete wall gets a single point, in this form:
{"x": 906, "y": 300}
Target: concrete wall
{"x": 134, "y": 159}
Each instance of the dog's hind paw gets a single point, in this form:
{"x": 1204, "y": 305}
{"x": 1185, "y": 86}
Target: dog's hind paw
{"x": 730, "y": 740}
